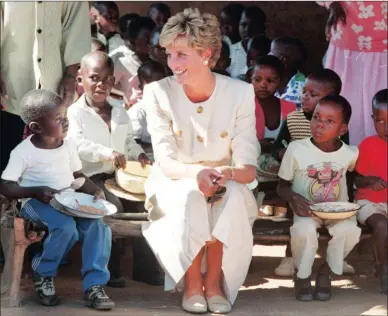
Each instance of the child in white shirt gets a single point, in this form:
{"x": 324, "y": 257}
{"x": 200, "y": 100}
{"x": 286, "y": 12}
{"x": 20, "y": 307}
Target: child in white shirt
{"x": 148, "y": 72}
{"x": 102, "y": 131}
{"x": 314, "y": 170}
{"x": 39, "y": 167}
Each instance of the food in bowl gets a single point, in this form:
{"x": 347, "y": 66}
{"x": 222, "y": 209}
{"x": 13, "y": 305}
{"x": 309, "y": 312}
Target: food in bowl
{"x": 88, "y": 209}
{"x": 335, "y": 210}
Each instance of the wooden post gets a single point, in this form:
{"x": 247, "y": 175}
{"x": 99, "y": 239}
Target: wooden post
{"x": 17, "y": 246}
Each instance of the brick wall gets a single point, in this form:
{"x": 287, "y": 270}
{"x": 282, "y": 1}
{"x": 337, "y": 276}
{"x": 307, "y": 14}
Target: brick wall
{"x": 305, "y": 20}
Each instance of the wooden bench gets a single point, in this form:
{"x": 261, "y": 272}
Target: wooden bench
{"x": 128, "y": 225}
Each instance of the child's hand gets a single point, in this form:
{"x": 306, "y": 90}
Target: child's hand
{"x": 99, "y": 194}
{"x": 300, "y": 206}
{"x": 376, "y": 183}
{"x": 118, "y": 160}
{"x": 143, "y": 159}
{"x": 44, "y": 194}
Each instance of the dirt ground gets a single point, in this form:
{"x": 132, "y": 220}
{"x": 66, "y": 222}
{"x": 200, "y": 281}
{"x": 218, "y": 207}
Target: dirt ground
{"x": 262, "y": 294}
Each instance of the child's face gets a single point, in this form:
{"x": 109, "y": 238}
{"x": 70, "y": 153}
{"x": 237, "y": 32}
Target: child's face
{"x": 380, "y": 118}
{"x": 229, "y": 27}
{"x": 53, "y": 124}
{"x": 157, "y": 52}
{"x": 97, "y": 80}
{"x": 313, "y": 91}
{"x": 252, "y": 55}
{"x": 327, "y": 123}
{"x": 265, "y": 80}
{"x": 108, "y": 22}
{"x": 280, "y": 52}
{"x": 158, "y": 17}
{"x": 141, "y": 43}
{"x": 248, "y": 28}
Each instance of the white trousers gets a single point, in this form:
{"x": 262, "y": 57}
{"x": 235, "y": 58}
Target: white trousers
{"x": 304, "y": 242}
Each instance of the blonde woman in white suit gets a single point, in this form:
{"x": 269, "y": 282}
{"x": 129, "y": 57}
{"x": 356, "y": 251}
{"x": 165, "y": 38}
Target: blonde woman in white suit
{"x": 201, "y": 124}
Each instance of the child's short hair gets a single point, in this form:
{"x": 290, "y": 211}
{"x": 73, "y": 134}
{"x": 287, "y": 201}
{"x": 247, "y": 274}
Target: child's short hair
{"x": 271, "y": 61}
{"x": 100, "y": 55}
{"x": 125, "y": 20}
{"x": 225, "y": 49}
{"x": 295, "y": 47}
{"x": 159, "y": 6}
{"x": 234, "y": 10}
{"x": 260, "y": 43}
{"x": 258, "y": 16}
{"x": 329, "y": 77}
{"x": 341, "y": 103}
{"x": 35, "y": 103}
{"x": 103, "y": 6}
{"x": 380, "y": 97}
{"x": 98, "y": 45}
{"x": 151, "y": 71}
{"x": 136, "y": 25}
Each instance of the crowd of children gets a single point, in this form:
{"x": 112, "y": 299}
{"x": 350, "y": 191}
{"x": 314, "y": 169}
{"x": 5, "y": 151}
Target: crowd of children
{"x": 301, "y": 123}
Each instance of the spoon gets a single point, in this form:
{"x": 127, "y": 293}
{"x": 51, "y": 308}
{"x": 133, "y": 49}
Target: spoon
{"x": 76, "y": 184}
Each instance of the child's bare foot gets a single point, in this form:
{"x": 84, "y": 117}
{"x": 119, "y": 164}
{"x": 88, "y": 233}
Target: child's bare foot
{"x": 323, "y": 283}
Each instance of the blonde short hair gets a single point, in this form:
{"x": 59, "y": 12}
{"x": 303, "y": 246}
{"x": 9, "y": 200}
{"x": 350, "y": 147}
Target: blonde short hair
{"x": 201, "y": 30}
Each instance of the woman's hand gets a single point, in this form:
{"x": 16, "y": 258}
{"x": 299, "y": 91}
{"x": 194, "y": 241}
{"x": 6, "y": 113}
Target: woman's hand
{"x": 205, "y": 181}
{"x": 226, "y": 172}
{"x": 337, "y": 14}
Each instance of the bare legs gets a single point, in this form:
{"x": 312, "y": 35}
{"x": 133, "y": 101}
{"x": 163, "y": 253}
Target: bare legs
{"x": 211, "y": 284}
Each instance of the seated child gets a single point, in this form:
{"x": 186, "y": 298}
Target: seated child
{"x": 224, "y": 61}
{"x": 159, "y": 13}
{"x": 157, "y": 52}
{"x": 293, "y": 54}
{"x": 371, "y": 181}
{"x": 229, "y": 22}
{"x": 298, "y": 126}
{"x": 270, "y": 110}
{"x": 124, "y": 22}
{"x": 127, "y": 59}
{"x": 258, "y": 46}
{"x": 102, "y": 131}
{"x": 314, "y": 170}
{"x": 298, "y": 123}
{"x": 149, "y": 72}
{"x": 106, "y": 16}
{"x": 270, "y": 113}
{"x": 252, "y": 23}
{"x": 39, "y": 167}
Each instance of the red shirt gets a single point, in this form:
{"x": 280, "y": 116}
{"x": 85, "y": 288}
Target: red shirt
{"x": 372, "y": 161}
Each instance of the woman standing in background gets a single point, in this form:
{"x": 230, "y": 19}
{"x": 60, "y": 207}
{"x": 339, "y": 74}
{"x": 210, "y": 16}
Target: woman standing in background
{"x": 358, "y": 54}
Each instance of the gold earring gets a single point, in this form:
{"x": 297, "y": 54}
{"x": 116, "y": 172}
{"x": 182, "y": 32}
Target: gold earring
{"x": 205, "y": 62}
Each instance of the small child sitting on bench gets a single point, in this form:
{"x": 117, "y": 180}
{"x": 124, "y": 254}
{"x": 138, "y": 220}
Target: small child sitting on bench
{"x": 39, "y": 167}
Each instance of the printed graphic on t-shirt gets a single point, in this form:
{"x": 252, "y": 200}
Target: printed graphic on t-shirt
{"x": 324, "y": 180}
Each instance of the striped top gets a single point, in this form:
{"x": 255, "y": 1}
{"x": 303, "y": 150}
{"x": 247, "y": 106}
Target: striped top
{"x": 298, "y": 125}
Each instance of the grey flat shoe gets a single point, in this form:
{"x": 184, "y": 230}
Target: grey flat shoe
{"x": 195, "y": 304}
{"x": 218, "y": 305}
